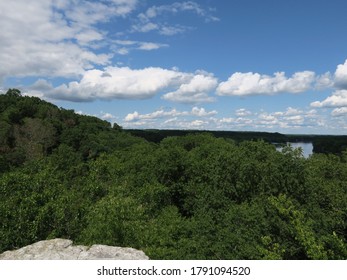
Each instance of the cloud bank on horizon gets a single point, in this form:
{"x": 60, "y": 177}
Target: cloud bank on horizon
{"x": 80, "y": 52}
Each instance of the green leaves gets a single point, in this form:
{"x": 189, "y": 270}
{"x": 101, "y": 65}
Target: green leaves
{"x": 188, "y": 197}
{"x": 114, "y": 220}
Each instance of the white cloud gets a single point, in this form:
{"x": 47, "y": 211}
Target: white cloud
{"x": 148, "y": 46}
{"x": 87, "y": 13}
{"x": 132, "y": 117}
{"x": 174, "y": 8}
{"x": 306, "y": 121}
{"x": 232, "y": 123}
{"x": 195, "y": 90}
{"x": 125, "y": 42}
{"x": 197, "y": 123}
{"x": 337, "y": 99}
{"x": 122, "y": 51}
{"x": 243, "y": 112}
{"x": 147, "y": 27}
{"x": 291, "y": 119}
{"x": 162, "y": 28}
{"x": 201, "y": 112}
{"x": 146, "y": 20}
{"x": 243, "y": 84}
{"x": 54, "y": 37}
{"x": 312, "y": 113}
{"x": 172, "y": 114}
{"x": 267, "y": 119}
{"x": 324, "y": 81}
{"x": 85, "y": 38}
{"x": 227, "y": 120}
{"x": 339, "y": 112}
{"x": 187, "y": 6}
{"x": 79, "y": 112}
{"x": 118, "y": 83}
{"x": 296, "y": 119}
{"x": 172, "y": 30}
{"x": 107, "y": 116}
{"x": 126, "y": 83}
{"x": 341, "y": 76}
{"x": 123, "y": 47}
{"x": 172, "y": 120}
{"x": 292, "y": 111}
{"x": 155, "y": 115}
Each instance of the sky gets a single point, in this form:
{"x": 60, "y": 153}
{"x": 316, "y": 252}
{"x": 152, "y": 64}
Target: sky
{"x": 240, "y": 65}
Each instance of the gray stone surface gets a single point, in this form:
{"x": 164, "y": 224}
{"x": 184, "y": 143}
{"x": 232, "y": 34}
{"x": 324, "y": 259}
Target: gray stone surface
{"x": 63, "y": 249}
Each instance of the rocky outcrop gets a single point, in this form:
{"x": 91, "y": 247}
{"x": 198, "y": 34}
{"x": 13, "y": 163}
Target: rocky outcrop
{"x": 62, "y": 249}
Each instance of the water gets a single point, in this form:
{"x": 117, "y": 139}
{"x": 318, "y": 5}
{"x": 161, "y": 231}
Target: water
{"x": 307, "y": 147}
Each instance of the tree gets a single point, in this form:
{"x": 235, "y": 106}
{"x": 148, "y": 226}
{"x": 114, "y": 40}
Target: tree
{"x": 13, "y": 93}
{"x": 114, "y": 220}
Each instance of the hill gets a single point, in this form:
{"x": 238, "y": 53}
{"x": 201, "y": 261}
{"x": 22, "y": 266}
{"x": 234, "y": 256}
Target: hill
{"x": 31, "y": 128}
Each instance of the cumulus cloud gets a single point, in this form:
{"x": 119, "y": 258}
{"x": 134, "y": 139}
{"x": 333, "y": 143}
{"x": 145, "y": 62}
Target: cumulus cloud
{"x": 132, "y": 117}
{"x": 337, "y": 99}
{"x": 54, "y": 37}
{"x": 243, "y": 84}
{"x": 227, "y": 120}
{"x": 172, "y": 114}
{"x": 201, "y": 112}
{"x": 118, "y": 83}
{"x": 126, "y": 83}
{"x": 292, "y": 119}
{"x": 107, "y": 116}
{"x": 341, "y": 76}
{"x": 267, "y": 119}
{"x": 292, "y": 111}
{"x": 197, "y": 123}
{"x": 243, "y": 112}
{"x": 246, "y": 84}
{"x": 154, "y": 115}
{"x": 339, "y": 112}
{"x": 195, "y": 90}
{"x": 324, "y": 81}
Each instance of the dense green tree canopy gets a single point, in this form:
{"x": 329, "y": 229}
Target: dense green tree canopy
{"x": 192, "y": 196}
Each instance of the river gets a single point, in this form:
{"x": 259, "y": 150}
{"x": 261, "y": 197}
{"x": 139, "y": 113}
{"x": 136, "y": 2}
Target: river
{"x": 307, "y": 147}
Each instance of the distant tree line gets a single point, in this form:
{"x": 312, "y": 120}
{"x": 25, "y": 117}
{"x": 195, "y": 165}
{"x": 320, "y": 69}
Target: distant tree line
{"x": 327, "y": 144}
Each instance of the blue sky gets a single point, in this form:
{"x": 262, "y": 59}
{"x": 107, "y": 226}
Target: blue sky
{"x": 264, "y": 65}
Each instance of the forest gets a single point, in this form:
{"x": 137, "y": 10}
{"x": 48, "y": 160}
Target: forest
{"x": 192, "y": 196}
{"x": 328, "y": 144}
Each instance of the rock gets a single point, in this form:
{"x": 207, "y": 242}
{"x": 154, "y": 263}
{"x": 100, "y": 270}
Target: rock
{"x": 62, "y": 249}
